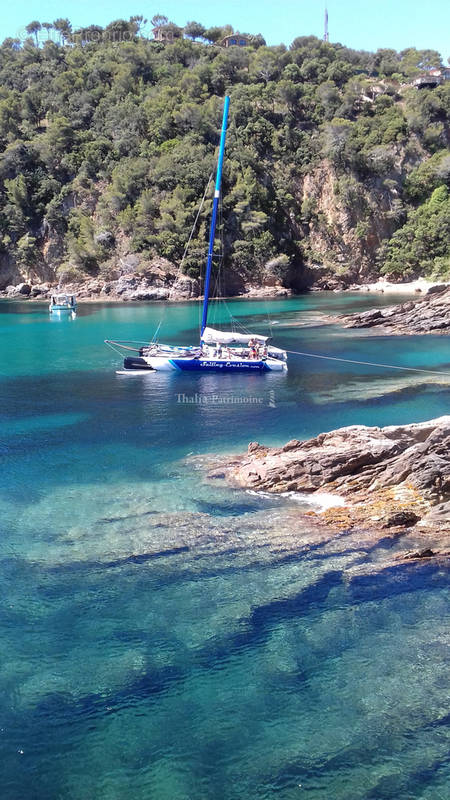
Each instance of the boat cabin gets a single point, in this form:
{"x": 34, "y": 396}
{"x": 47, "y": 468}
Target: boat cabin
{"x": 60, "y": 302}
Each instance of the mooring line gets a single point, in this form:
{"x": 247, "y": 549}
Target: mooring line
{"x": 369, "y": 363}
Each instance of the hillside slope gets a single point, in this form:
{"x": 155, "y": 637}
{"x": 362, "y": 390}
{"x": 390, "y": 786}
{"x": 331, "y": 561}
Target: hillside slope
{"x": 337, "y": 167}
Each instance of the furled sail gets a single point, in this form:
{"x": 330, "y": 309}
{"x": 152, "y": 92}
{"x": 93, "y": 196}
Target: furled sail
{"x": 212, "y": 336}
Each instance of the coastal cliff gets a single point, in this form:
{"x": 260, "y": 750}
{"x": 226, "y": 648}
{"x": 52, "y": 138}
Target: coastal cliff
{"x": 380, "y": 480}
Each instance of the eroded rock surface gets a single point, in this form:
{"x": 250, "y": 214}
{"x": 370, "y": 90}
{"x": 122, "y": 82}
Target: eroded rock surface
{"x": 430, "y": 314}
{"x": 392, "y": 478}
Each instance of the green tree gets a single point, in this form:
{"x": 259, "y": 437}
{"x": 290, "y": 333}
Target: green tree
{"x": 83, "y": 36}
{"x": 158, "y": 20}
{"x": 120, "y": 30}
{"x": 137, "y": 22}
{"x": 33, "y": 29}
{"x": 265, "y": 64}
{"x": 48, "y": 27}
{"x": 430, "y": 174}
{"x": 26, "y": 251}
{"x": 194, "y": 30}
{"x": 214, "y": 34}
{"x": 64, "y": 28}
{"x": 421, "y": 245}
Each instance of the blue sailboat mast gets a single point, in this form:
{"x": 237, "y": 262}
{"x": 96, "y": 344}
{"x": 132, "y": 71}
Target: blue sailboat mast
{"x": 212, "y": 232}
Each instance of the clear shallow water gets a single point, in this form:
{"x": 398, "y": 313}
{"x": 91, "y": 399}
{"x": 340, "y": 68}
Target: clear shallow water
{"x": 161, "y": 639}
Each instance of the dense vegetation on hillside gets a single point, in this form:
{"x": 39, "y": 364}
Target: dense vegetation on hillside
{"x": 108, "y": 139}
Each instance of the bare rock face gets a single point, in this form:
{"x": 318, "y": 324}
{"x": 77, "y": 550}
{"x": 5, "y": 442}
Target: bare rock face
{"x": 430, "y": 314}
{"x": 396, "y": 477}
{"x": 353, "y": 458}
{"x": 9, "y": 272}
{"x": 332, "y": 209}
{"x": 40, "y": 290}
{"x": 184, "y": 288}
{"x": 20, "y": 290}
{"x": 149, "y": 293}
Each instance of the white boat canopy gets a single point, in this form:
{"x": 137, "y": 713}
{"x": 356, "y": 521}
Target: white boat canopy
{"x": 211, "y": 336}
{"x": 63, "y": 299}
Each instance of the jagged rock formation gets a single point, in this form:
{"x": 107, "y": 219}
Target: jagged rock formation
{"x": 430, "y": 314}
{"x": 134, "y": 280}
{"x": 393, "y": 477}
{"x": 346, "y": 222}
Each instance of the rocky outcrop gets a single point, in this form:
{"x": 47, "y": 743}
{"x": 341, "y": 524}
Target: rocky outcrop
{"x": 267, "y": 291}
{"x": 130, "y": 280}
{"x": 347, "y": 219}
{"x": 384, "y": 478}
{"x": 184, "y": 288}
{"x": 160, "y": 281}
{"x": 430, "y": 314}
{"x": 21, "y": 290}
{"x": 10, "y": 275}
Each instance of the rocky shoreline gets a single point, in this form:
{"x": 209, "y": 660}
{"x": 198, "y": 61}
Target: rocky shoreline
{"x": 131, "y": 290}
{"x": 161, "y": 280}
{"x": 135, "y": 281}
{"x": 387, "y": 482}
{"x": 429, "y": 314}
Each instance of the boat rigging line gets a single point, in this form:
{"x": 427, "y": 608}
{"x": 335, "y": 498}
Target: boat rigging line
{"x": 368, "y": 363}
{"x": 196, "y": 219}
{"x": 306, "y": 355}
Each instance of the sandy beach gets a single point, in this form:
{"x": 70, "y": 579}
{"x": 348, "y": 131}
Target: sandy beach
{"x": 420, "y": 285}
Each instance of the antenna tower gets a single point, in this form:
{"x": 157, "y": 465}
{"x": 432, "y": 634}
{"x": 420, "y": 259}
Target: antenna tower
{"x": 326, "y": 37}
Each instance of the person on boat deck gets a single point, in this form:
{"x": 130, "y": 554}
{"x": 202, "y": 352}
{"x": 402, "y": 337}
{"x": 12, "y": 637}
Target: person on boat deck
{"x": 229, "y": 352}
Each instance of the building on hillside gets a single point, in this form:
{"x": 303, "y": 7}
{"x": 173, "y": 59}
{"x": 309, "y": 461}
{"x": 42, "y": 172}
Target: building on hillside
{"x": 427, "y": 81}
{"x": 431, "y": 78}
{"x": 235, "y": 40}
{"x": 440, "y": 72}
{"x": 166, "y": 33}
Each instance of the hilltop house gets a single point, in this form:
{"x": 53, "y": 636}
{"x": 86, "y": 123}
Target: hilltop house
{"x": 235, "y": 40}
{"x": 431, "y": 78}
{"x": 167, "y": 33}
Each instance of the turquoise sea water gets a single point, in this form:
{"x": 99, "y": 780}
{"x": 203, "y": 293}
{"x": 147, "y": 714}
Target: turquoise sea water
{"x": 163, "y": 638}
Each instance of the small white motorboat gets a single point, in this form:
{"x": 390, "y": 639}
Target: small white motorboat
{"x": 63, "y": 302}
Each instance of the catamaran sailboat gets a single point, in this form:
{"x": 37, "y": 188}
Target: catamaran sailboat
{"x": 218, "y": 351}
